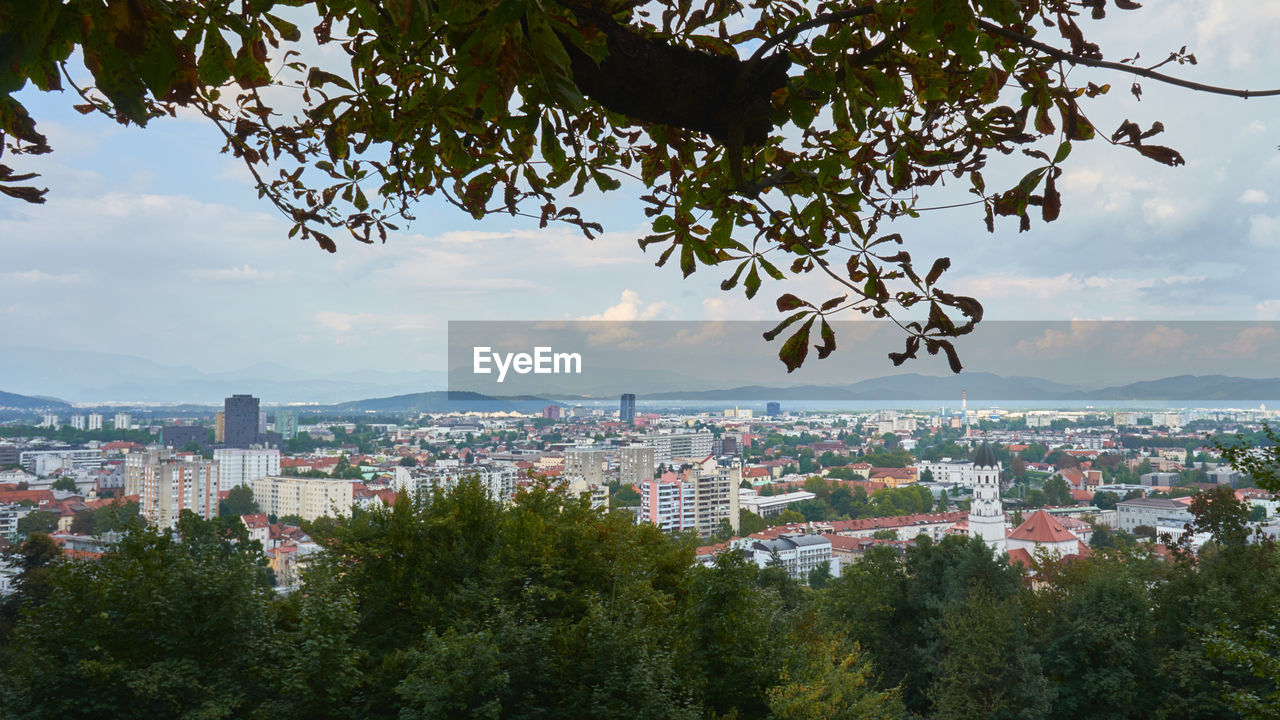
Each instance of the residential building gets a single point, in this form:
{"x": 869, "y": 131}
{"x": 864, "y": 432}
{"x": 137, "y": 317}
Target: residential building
{"x": 627, "y": 408}
{"x": 49, "y": 421}
{"x": 635, "y": 464}
{"x": 498, "y": 480}
{"x": 46, "y": 462}
{"x": 694, "y": 499}
{"x": 239, "y": 466}
{"x": 770, "y": 505}
{"x": 1163, "y": 479}
{"x": 240, "y": 423}
{"x": 308, "y": 498}
{"x": 948, "y": 471}
{"x": 95, "y": 421}
{"x": 123, "y": 421}
{"x": 672, "y": 445}
{"x": 1152, "y": 512}
{"x": 585, "y": 464}
{"x": 166, "y": 485}
{"x": 797, "y": 554}
{"x": 220, "y": 428}
{"x": 79, "y": 422}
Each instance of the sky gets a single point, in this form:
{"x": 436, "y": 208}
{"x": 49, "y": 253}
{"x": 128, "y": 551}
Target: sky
{"x": 152, "y": 244}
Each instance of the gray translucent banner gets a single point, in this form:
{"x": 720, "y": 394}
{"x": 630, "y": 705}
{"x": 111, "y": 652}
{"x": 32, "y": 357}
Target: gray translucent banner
{"x": 1075, "y": 363}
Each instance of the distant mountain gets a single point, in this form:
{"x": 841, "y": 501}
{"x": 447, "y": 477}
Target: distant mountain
{"x": 14, "y": 403}
{"x": 987, "y": 387}
{"x": 445, "y": 401}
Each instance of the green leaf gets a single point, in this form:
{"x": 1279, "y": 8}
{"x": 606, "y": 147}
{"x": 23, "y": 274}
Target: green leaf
{"x": 216, "y": 60}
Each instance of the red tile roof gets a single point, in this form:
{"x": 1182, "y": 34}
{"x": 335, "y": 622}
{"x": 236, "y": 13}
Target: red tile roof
{"x": 1041, "y": 528}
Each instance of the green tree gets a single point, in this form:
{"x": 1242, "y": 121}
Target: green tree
{"x": 838, "y": 685}
{"x": 239, "y": 501}
{"x": 1221, "y": 514}
{"x": 1057, "y": 492}
{"x": 40, "y": 521}
{"x": 625, "y": 496}
{"x": 796, "y": 124}
{"x": 408, "y": 461}
{"x": 750, "y": 523}
{"x": 65, "y": 483}
{"x": 788, "y": 517}
{"x": 187, "y": 632}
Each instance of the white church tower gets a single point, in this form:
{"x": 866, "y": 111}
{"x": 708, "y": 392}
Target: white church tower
{"x": 986, "y": 514}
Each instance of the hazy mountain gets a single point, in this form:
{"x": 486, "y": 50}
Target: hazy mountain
{"x": 445, "y": 401}
{"x": 25, "y": 404}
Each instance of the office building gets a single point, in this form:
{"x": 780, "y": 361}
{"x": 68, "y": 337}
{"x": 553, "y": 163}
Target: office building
{"x": 240, "y": 422}
{"x": 1153, "y": 512}
{"x": 179, "y": 436}
{"x": 773, "y": 409}
{"x": 287, "y": 424}
{"x": 799, "y": 554}
{"x": 238, "y": 466}
{"x": 627, "y": 410}
{"x": 308, "y": 498}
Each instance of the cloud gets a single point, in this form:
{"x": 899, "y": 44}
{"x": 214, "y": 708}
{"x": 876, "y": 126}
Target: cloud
{"x": 244, "y": 273}
{"x": 1269, "y": 310}
{"x": 1053, "y": 343}
{"x": 1160, "y": 342}
{"x": 1247, "y": 343}
{"x": 358, "y": 328}
{"x": 1254, "y": 197}
{"x": 39, "y": 277}
{"x": 631, "y": 307}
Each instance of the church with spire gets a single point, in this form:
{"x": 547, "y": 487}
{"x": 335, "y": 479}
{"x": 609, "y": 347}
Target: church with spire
{"x": 986, "y": 513}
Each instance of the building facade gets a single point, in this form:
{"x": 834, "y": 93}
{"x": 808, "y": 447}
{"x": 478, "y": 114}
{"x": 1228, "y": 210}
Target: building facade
{"x": 986, "y": 512}
{"x": 627, "y": 408}
{"x": 308, "y": 498}
{"x": 240, "y": 421}
{"x": 240, "y": 467}
{"x": 166, "y": 485}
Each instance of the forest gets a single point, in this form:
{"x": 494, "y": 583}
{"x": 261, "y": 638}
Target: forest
{"x": 455, "y": 606}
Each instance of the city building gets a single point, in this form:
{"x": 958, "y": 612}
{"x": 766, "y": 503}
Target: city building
{"x": 798, "y": 554}
{"x": 770, "y": 505}
{"x": 552, "y": 412}
{"x": 123, "y": 421}
{"x": 694, "y": 499}
{"x": 635, "y": 464}
{"x": 986, "y": 512}
{"x": 240, "y": 421}
{"x": 1043, "y": 532}
{"x": 627, "y": 410}
{"x": 772, "y": 409}
{"x": 239, "y": 466}
{"x": 674, "y": 445}
{"x": 287, "y": 424}
{"x": 1152, "y": 512}
{"x": 948, "y": 471}
{"x": 308, "y": 498}
{"x": 47, "y": 462}
{"x": 49, "y": 421}
{"x": 220, "y": 428}
{"x": 585, "y": 464}
{"x": 166, "y": 485}
{"x": 498, "y": 480}
{"x": 79, "y": 422}
{"x": 95, "y": 421}
{"x": 179, "y": 436}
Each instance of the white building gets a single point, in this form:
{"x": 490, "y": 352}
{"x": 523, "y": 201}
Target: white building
{"x": 986, "y": 513}
{"x": 166, "y": 485}
{"x": 95, "y": 421}
{"x": 49, "y": 421}
{"x": 635, "y": 464}
{"x": 308, "y": 498}
{"x": 238, "y": 466}
{"x": 78, "y": 422}
{"x": 948, "y": 471}
{"x": 123, "y": 421}
{"x": 770, "y": 505}
{"x": 798, "y": 554}
{"x": 1043, "y": 532}
{"x": 498, "y": 480}
{"x": 668, "y": 445}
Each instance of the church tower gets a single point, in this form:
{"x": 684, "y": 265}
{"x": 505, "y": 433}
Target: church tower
{"x": 986, "y": 514}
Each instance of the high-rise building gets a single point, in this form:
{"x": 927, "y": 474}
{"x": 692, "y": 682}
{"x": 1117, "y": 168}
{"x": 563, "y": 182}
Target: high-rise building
{"x": 627, "y": 410}
{"x": 308, "y": 498}
{"x": 773, "y": 409}
{"x": 552, "y": 412}
{"x": 79, "y": 422}
{"x": 220, "y": 428}
{"x": 585, "y": 465}
{"x": 166, "y": 485}
{"x": 123, "y": 421}
{"x": 240, "y": 423}
{"x": 692, "y": 500}
{"x": 674, "y": 445}
{"x": 50, "y": 421}
{"x": 635, "y": 464}
{"x": 95, "y": 421}
{"x": 179, "y": 436}
{"x": 237, "y": 466}
{"x": 287, "y": 423}
{"x": 986, "y": 513}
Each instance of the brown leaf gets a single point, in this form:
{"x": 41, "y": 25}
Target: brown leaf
{"x": 1162, "y": 154}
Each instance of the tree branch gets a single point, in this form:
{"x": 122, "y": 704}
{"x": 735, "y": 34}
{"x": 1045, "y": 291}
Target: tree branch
{"x": 795, "y": 30}
{"x": 1133, "y": 70}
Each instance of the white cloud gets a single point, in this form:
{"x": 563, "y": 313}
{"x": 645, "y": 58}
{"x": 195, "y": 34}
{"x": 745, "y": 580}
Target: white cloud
{"x": 358, "y": 328}
{"x": 1160, "y": 342}
{"x": 244, "y": 273}
{"x": 1254, "y": 197}
{"x": 1247, "y": 343}
{"x": 1264, "y": 231}
{"x": 1269, "y": 310}
{"x": 39, "y": 277}
{"x": 630, "y": 307}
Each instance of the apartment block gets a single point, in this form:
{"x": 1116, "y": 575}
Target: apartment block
{"x": 692, "y": 500}
{"x": 308, "y": 498}
{"x": 241, "y": 467}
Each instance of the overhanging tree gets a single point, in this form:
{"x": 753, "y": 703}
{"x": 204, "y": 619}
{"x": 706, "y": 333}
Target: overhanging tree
{"x": 776, "y": 139}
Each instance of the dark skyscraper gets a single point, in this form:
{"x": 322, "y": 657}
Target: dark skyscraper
{"x": 241, "y": 421}
{"x": 773, "y": 409}
{"x": 627, "y": 413}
